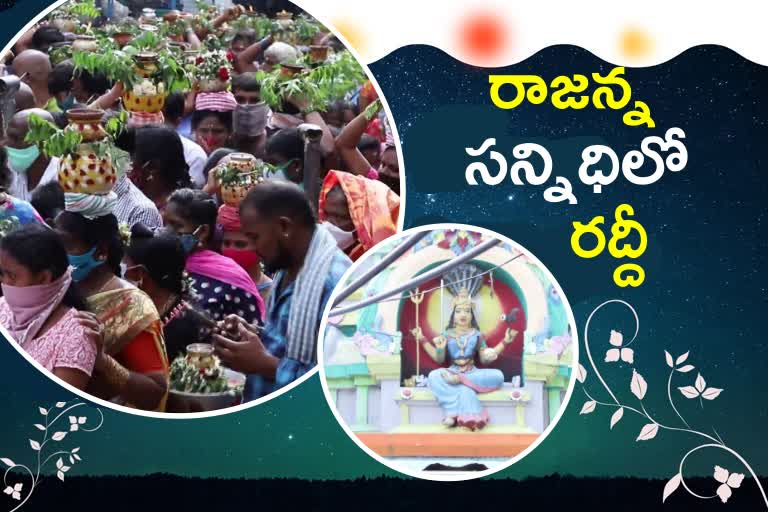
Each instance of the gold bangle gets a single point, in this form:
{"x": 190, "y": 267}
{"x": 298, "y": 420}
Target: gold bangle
{"x": 116, "y": 374}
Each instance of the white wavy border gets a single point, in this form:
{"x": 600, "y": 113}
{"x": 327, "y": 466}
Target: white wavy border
{"x": 448, "y": 477}
{"x": 279, "y": 392}
{"x": 596, "y": 25}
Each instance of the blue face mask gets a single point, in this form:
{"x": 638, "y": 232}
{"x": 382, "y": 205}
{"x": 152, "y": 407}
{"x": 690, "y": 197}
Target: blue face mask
{"x": 83, "y": 264}
{"x": 189, "y": 241}
{"x": 22, "y": 159}
{"x": 67, "y": 104}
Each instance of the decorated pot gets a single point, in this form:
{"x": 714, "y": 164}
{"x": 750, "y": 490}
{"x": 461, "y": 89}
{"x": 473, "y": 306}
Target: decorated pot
{"x": 122, "y": 38}
{"x": 319, "y": 53}
{"x": 171, "y": 16}
{"x": 200, "y": 355}
{"x": 87, "y": 122}
{"x": 181, "y": 402}
{"x": 289, "y": 70}
{"x": 85, "y": 43}
{"x": 146, "y": 63}
{"x": 86, "y": 172}
{"x": 190, "y": 56}
{"x": 65, "y": 24}
{"x": 149, "y": 103}
{"x": 233, "y": 193}
{"x": 211, "y": 85}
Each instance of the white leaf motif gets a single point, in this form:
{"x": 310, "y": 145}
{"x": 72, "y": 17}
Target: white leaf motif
{"x": 628, "y": 355}
{"x": 581, "y": 374}
{"x": 60, "y": 404}
{"x": 638, "y": 385}
{"x": 721, "y": 474}
{"x": 588, "y": 407}
{"x": 686, "y": 368}
{"x": 43, "y": 411}
{"x": 71, "y": 460}
{"x": 58, "y": 436}
{"x": 8, "y": 490}
{"x": 724, "y": 492}
{"x": 65, "y": 468}
{"x": 59, "y": 463}
{"x": 648, "y": 432}
{"x": 689, "y": 391}
{"x": 7, "y": 462}
{"x": 670, "y": 363}
{"x": 34, "y": 444}
{"x": 612, "y": 355}
{"x": 39, "y": 426}
{"x": 75, "y": 450}
{"x": 617, "y": 416}
{"x": 616, "y": 339}
{"x": 701, "y": 384}
{"x": 682, "y": 358}
{"x": 671, "y": 486}
{"x": 81, "y": 420}
{"x": 60, "y": 475}
{"x": 734, "y": 481}
{"x": 711, "y": 393}
{"x": 77, "y": 457}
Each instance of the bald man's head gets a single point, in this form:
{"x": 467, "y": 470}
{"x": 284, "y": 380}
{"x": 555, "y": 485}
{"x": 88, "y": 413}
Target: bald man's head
{"x": 25, "y": 98}
{"x": 37, "y": 67}
{"x": 19, "y": 126}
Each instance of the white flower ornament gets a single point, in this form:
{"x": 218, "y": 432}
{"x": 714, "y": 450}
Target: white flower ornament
{"x": 623, "y": 353}
{"x": 728, "y": 481}
{"x": 15, "y": 491}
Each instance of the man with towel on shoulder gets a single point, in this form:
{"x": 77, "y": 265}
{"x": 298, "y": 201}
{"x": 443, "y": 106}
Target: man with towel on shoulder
{"x": 279, "y": 221}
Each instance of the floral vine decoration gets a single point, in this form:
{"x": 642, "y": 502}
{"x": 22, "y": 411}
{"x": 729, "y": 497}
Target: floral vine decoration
{"x": 214, "y": 65}
{"x": 65, "y": 423}
{"x": 620, "y": 351}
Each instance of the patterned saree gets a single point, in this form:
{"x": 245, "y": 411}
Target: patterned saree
{"x": 133, "y": 333}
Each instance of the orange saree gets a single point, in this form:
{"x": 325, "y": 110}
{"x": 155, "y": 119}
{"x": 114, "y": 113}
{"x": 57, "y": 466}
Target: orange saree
{"x": 373, "y": 208}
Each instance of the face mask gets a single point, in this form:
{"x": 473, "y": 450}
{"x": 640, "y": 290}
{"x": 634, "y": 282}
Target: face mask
{"x": 83, "y": 264}
{"x": 343, "y": 238}
{"x": 245, "y": 258}
{"x": 250, "y": 120}
{"x": 67, "y": 104}
{"x": 21, "y": 159}
{"x": 279, "y": 171}
{"x": 189, "y": 241}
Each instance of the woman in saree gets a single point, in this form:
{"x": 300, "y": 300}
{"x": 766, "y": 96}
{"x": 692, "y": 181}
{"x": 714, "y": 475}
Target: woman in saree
{"x": 154, "y": 263}
{"x": 223, "y": 286}
{"x": 132, "y": 367}
{"x": 358, "y": 211}
{"x": 40, "y": 304}
{"x": 457, "y": 387}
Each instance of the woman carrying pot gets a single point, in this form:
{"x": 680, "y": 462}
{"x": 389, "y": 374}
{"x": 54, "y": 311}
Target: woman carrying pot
{"x": 224, "y": 287}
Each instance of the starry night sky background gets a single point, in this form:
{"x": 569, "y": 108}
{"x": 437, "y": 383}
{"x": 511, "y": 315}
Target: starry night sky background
{"x": 705, "y": 288}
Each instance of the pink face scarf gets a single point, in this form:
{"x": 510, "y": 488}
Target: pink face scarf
{"x": 215, "y": 266}
{"x": 32, "y": 305}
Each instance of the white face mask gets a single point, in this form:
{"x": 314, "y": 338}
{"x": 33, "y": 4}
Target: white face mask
{"x": 343, "y": 238}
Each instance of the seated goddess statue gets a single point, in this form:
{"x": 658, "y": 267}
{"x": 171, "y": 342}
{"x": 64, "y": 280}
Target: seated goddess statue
{"x": 457, "y": 387}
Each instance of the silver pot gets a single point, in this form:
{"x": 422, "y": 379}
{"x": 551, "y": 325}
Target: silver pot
{"x": 179, "y": 402}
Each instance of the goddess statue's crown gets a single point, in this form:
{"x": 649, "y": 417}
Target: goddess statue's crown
{"x": 462, "y": 298}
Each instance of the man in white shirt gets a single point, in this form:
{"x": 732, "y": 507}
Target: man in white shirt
{"x": 29, "y": 164}
{"x": 194, "y": 155}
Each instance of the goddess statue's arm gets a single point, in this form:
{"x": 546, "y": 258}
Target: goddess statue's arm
{"x": 488, "y": 355}
{"x": 436, "y": 349}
